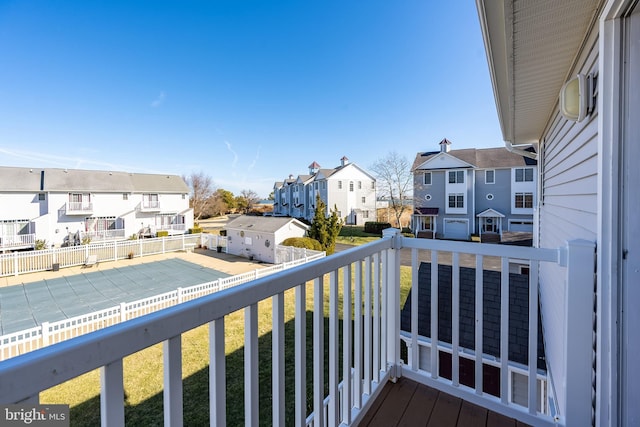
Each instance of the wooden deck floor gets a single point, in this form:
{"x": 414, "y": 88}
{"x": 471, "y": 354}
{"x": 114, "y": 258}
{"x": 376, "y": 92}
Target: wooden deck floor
{"x": 407, "y": 403}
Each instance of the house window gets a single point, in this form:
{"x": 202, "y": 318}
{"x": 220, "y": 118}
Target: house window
{"x": 524, "y": 200}
{"x": 427, "y": 197}
{"x": 524, "y": 175}
{"x": 184, "y": 196}
{"x": 339, "y": 213}
{"x": 456, "y": 177}
{"x": 489, "y": 196}
{"x": 490, "y": 176}
{"x": 426, "y": 178}
{"x": 125, "y": 196}
{"x": 359, "y": 185}
{"x": 351, "y": 186}
{"x": 373, "y": 185}
{"x": 456, "y": 200}
{"x": 365, "y": 214}
{"x": 339, "y": 185}
{"x": 40, "y": 196}
{"x": 364, "y": 200}
{"x": 150, "y": 201}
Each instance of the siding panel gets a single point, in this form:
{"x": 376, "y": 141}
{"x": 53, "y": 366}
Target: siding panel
{"x": 568, "y": 210}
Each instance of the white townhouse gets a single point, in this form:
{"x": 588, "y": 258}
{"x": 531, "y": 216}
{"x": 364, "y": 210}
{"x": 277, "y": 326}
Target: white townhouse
{"x": 348, "y": 187}
{"x": 66, "y": 206}
{"x": 485, "y": 192}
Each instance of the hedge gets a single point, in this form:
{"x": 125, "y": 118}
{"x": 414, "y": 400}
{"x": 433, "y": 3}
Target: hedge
{"x": 375, "y": 227}
{"x": 303, "y": 242}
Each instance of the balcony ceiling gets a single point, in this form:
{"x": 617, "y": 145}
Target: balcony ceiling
{"x": 531, "y": 48}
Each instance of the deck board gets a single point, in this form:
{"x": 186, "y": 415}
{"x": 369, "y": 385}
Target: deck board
{"x": 407, "y": 403}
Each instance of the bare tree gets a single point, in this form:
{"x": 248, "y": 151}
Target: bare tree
{"x": 395, "y": 183}
{"x": 247, "y": 199}
{"x": 202, "y": 188}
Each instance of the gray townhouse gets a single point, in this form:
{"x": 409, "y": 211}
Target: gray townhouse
{"x": 484, "y": 192}
{"x": 348, "y": 187}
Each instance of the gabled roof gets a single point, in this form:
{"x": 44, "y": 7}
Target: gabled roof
{"x": 65, "y": 180}
{"x": 531, "y": 46}
{"x": 352, "y": 165}
{"x": 490, "y": 213}
{"x": 264, "y": 224}
{"x": 518, "y": 311}
{"x": 481, "y": 158}
{"x": 303, "y": 179}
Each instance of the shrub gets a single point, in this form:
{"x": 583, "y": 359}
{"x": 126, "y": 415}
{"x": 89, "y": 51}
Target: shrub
{"x": 133, "y": 237}
{"x": 86, "y": 240}
{"x": 162, "y": 233}
{"x": 40, "y": 245}
{"x": 375, "y": 227}
{"x": 303, "y": 242}
{"x": 195, "y": 230}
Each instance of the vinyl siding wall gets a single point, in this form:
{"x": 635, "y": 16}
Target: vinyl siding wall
{"x": 567, "y": 209}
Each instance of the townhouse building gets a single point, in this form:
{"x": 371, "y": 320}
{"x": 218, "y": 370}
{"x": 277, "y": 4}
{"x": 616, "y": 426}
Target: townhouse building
{"x": 486, "y": 192}
{"x": 67, "y": 206}
{"x": 348, "y": 187}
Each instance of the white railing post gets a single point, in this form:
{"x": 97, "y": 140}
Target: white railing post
{"x": 44, "y": 328}
{"x": 15, "y": 264}
{"x": 579, "y": 295}
{"x": 172, "y": 393}
{"x": 393, "y": 300}
{"x": 179, "y": 296}
{"x": 115, "y": 250}
{"x": 163, "y": 240}
{"x": 112, "y": 394}
{"x": 123, "y": 312}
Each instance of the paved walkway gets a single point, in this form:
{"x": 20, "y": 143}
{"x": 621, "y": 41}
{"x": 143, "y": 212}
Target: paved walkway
{"x": 28, "y": 300}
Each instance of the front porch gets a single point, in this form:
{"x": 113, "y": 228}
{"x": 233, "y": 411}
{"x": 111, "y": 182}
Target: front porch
{"x": 313, "y": 350}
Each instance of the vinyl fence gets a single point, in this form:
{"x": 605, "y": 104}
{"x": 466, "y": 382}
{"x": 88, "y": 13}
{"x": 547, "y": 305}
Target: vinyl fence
{"x": 27, "y": 340}
{"x": 13, "y": 264}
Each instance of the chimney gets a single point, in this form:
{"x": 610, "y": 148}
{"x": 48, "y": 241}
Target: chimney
{"x": 290, "y": 176}
{"x": 445, "y": 145}
{"x": 313, "y": 168}
{"x": 344, "y": 161}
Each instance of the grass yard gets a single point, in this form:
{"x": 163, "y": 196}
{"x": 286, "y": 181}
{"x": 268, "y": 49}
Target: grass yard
{"x": 355, "y": 235}
{"x": 143, "y": 371}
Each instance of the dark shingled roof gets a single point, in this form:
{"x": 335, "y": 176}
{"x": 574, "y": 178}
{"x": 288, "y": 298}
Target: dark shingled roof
{"x": 427, "y": 211}
{"x": 484, "y": 158}
{"x": 518, "y": 311}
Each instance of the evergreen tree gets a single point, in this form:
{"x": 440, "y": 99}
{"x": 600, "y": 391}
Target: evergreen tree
{"x": 325, "y": 229}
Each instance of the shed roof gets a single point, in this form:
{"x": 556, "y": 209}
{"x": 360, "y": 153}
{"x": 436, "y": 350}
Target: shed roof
{"x": 263, "y": 223}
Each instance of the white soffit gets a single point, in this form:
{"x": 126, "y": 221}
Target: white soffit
{"x": 531, "y": 46}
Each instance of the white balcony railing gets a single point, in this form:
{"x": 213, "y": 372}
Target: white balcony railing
{"x": 117, "y": 234}
{"x": 17, "y": 241}
{"x": 79, "y": 208}
{"x": 171, "y": 227}
{"x": 361, "y": 284}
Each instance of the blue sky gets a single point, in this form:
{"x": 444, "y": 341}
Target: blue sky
{"x": 247, "y": 92}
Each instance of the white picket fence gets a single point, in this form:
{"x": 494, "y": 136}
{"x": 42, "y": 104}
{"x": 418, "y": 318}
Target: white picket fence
{"x": 13, "y": 264}
{"x": 47, "y": 333}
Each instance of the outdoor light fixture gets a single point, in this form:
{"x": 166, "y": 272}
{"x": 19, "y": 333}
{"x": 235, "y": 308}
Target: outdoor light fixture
{"x": 576, "y": 97}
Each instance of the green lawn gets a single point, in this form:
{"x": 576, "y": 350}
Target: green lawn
{"x": 143, "y": 371}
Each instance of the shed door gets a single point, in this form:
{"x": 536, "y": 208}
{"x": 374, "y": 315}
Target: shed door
{"x": 456, "y": 229}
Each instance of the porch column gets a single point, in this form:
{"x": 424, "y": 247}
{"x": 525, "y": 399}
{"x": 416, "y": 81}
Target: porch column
{"x": 579, "y": 321}
{"x": 393, "y": 300}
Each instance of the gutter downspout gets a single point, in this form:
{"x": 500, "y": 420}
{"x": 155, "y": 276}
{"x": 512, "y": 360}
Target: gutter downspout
{"x": 520, "y": 151}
